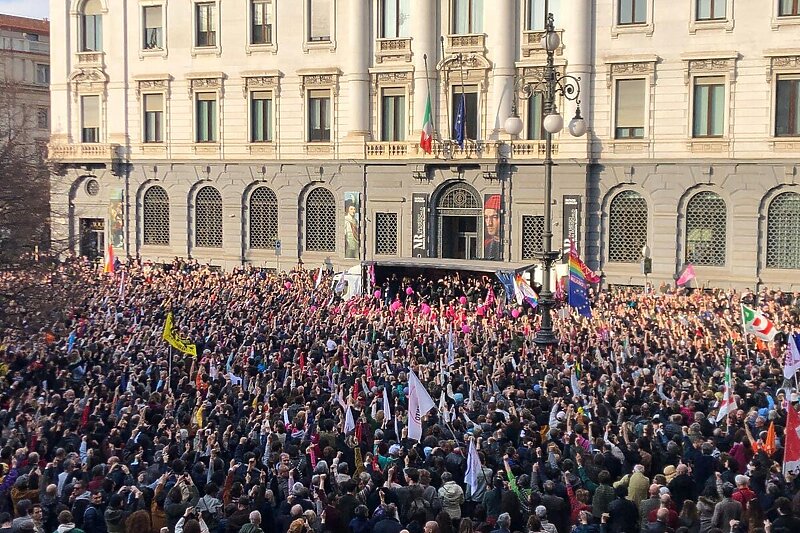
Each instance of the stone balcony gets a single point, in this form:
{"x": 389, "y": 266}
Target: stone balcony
{"x": 532, "y": 43}
{"x": 472, "y": 150}
{"x": 90, "y": 59}
{"x": 472, "y": 43}
{"x": 392, "y": 51}
{"x": 81, "y": 153}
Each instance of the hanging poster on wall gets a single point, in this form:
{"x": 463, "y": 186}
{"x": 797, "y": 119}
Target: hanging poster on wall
{"x": 571, "y": 222}
{"x": 116, "y": 220}
{"x": 493, "y": 227}
{"x": 419, "y": 229}
{"x": 352, "y": 225}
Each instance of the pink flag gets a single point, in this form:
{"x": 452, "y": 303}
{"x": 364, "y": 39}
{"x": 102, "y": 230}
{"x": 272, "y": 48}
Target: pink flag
{"x": 688, "y": 275}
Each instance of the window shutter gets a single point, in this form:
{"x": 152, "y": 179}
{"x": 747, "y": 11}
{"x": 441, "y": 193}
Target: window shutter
{"x": 152, "y": 17}
{"x": 630, "y": 103}
{"x": 320, "y": 23}
{"x": 90, "y": 111}
{"x": 153, "y": 102}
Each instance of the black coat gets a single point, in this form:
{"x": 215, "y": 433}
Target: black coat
{"x": 387, "y": 524}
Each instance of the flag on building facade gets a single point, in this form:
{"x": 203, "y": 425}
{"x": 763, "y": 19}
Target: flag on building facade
{"x": 419, "y": 403}
{"x": 578, "y": 285}
{"x": 458, "y": 125}
{"x": 728, "y": 404}
{"x": 686, "y": 276}
{"x": 791, "y": 450}
{"x": 756, "y": 323}
{"x": 426, "y": 137}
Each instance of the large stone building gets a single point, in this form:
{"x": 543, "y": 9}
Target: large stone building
{"x": 25, "y": 79}
{"x": 213, "y": 128}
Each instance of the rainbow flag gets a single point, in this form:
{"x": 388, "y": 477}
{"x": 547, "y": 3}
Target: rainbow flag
{"x": 108, "y": 265}
{"x": 578, "y": 283}
{"x": 524, "y": 292}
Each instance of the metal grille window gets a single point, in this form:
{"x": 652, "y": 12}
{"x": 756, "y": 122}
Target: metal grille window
{"x": 783, "y": 231}
{"x": 155, "y": 215}
{"x": 263, "y": 218}
{"x": 208, "y": 218}
{"x": 320, "y": 221}
{"x": 627, "y": 227}
{"x": 532, "y": 229}
{"x": 706, "y": 229}
{"x": 385, "y": 233}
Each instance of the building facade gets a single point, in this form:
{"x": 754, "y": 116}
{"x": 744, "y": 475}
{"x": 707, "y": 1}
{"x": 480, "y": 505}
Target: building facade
{"x": 215, "y": 129}
{"x": 25, "y": 78}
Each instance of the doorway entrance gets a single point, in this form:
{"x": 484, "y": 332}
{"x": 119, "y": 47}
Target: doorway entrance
{"x": 93, "y": 237}
{"x": 458, "y": 228}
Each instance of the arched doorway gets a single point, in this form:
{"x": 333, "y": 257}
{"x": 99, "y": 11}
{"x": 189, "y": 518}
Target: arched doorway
{"x": 458, "y": 225}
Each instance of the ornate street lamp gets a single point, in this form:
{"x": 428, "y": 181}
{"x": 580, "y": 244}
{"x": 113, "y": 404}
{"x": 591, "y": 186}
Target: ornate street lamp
{"x": 550, "y": 86}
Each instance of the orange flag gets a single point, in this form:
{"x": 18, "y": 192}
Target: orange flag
{"x": 109, "y": 263}
{"x": 769, "y": 443}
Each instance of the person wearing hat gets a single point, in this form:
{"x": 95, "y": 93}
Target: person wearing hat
{"x": 492, "y": 246}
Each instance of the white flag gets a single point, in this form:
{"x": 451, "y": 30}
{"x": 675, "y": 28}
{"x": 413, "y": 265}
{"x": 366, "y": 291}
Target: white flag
{"x": 419, "y": 403}
{"x": 573, "y": 381}
{"x": 387, "y": 412}
{"x": 728, "y": 404}
{"x": 443, "y": 407}
{"x": 792, "y": 363}
{"x": 349, "y": 423}
{"x": 473, "y": 468}
{"x": 319, "y": 278}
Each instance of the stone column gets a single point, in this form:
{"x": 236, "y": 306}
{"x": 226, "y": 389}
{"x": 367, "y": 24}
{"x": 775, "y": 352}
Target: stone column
{"x": 502, "y": 30}
{"x": 578, "y": 48}
{"x": 424, "y": 40}
{"x": 356, "y": 75}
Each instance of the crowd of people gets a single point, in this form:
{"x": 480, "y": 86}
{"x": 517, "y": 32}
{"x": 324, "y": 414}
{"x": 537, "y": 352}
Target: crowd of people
{"x": 293, "y": 417}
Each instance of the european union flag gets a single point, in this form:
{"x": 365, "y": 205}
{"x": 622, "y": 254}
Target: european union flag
{"x": 458, "y": 125}
{"x": 578, "y": 297}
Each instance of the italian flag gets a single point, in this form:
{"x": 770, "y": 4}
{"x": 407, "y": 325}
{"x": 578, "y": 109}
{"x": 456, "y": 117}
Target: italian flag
{"x": 426, "y": 138}
{"x": 728, "y": 404}
{"x": 756, "y": 323}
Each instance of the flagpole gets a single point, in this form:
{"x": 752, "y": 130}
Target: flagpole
{"x": 446, "y": 94}
{"x": 169, "y": 369}
{"x": 428, "y": 83}
{"x": 463, "y": 100}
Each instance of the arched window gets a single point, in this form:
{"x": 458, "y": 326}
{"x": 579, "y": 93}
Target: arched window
{"x": 208, "y": 218}
{"x": 320, "y": 221}
{"x": 706, "y": 229}
{"x": 627, "y": 227}
{"x": 263, "y": 218}
{"x": 155, "y": 215}
{"x": 91, "y": 33}
{"x": 783, "y": 231}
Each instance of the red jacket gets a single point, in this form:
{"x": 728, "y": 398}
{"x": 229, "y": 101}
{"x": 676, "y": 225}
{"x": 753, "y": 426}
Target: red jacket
{"x": 744, "y": 496}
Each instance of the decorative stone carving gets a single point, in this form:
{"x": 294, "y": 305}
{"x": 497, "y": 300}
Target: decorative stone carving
{"x": 201, "y": 83}
{"x": 782, "y": 63}
{"x": 151, "y": 85}
{"x": 724, "y": 65}
{"x": 393, "y": 50}
{"x": 86, "y": 80}
{"x": 320, "y": 80}
{"x": 266, "y": 82}
{"x": 628, "y": 68}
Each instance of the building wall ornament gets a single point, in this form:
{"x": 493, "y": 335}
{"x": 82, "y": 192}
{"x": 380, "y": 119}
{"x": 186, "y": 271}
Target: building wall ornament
{"x": 723, "y": 63}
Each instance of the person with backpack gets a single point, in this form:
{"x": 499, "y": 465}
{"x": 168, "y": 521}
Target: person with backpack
{"x": 410, "y": 496}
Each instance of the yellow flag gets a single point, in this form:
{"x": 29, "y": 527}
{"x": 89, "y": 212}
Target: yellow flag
{"x": 175, "y": 341}
{"x": 199, "y": 417}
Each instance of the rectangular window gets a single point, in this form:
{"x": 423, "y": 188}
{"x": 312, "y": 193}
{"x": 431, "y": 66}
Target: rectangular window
{"x": 42, "y": 74}
{"x": 535, "y": 117}
{"x": 206, "y": 34}
{"x": 153, "y": 28}
{"x": 153, "y": 118}
{"x": 90, "y": 119}
{"x": 319, "y": 20}
{"x": 43, "y": 118}
{"x": 206, "y": 118}
{"x": 261, "y": 29}
{"x": 536, "y": 16}
{"x": 471, "y": 117}
{"x": 789, "y": 8}
{"x": 467, "y": 16}
{"x": 260, "y": 116}
{"x": 787, "y": 107}
{"x": 92, "y": 33}
{"x": 711, "y": 9}
{"x": 319, "y": 113}
{"x": 630, "y": 99}
{"x": 632, "y": 12}
{"x": 385, "y": 233}
{"x": 395, "y": 19}
{"x": 393, "y": 115}
{"x": 709, "y": 106}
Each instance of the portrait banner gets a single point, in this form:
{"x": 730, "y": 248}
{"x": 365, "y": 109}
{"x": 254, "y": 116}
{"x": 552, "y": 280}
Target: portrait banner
{"x": 493, "y": 227}
{"x": 352, "y": 225}
{"x": 116, "y": 220}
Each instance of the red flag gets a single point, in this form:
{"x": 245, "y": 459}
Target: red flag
{"x": 355, "y": 391}
{"x": 108, "y": 267}
{"x": 687, "y": 276}
{"x": 302, "y": 362}
{"x": 490, "y": 297}
{"x": 791, "y": 451}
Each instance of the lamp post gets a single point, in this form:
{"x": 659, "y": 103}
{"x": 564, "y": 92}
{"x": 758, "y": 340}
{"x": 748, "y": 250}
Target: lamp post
{"x": 550, "y": 86}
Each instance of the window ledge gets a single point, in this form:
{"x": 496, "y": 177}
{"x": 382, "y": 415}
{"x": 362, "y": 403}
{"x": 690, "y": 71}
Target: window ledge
{"x": 714, "y": 24}
{"x": 268, "y": 48}
{"x": 710, "y": 145}
{"x": 778, "y": 21}
{"x": 206, "y": 148}
{"x": 152, "y": 52}
{"x": 785, "y": 144}
{"x": 319, "y": 147}
{"x": 619, "y": 29}
{"x": 629, "y": 146}
{"x": 309, "y": 46}
{"x": 206, "y": 51}
{"x": 262, "y": 148}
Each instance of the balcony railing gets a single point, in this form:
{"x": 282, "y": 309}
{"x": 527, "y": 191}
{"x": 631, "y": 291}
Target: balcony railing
{"x": 90, "y": 59}
{"x": 532, "y": 42}
{"x": 446, "y": 150}
{"x": 99, "y": 152}
{"x": 392, "y": 50}
{"x": 475, "y": 42}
